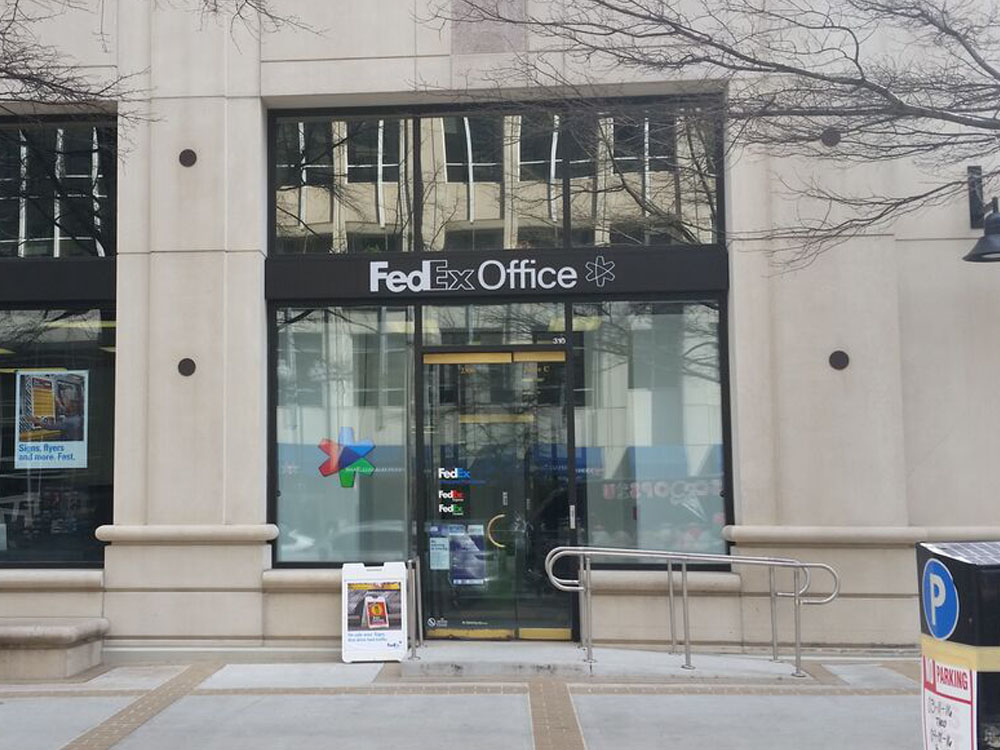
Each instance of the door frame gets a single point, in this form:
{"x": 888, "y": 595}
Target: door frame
{"x": 562, "y": 341}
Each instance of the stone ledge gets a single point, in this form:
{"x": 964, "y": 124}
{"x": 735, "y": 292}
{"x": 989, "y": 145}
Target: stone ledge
{"x": 50, "y": 632}
{"x": 327, "y": 580}
{"x": 856, "y": 536}
{"x": 188, "y": 534}
{"x": 301, "y": 580}
{"x": 51, "y": 580}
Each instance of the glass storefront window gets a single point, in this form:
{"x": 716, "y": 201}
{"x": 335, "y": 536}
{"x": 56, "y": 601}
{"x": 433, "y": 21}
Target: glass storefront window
{"x": 639, "y": 379}
{"x": 627, "y": 175}
{"x": 344, "y": 433}
{"x": 649, "y": 424}
{"x": 57, "y": 373}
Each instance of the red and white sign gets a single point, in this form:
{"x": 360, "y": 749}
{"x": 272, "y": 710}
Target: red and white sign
{"x": 949, "y": 706}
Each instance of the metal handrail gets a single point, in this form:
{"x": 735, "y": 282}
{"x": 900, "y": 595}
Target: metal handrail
{"x": 800, "y": 570}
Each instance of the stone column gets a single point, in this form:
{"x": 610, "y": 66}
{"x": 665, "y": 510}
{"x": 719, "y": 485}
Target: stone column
{"x": 189, "y": 540}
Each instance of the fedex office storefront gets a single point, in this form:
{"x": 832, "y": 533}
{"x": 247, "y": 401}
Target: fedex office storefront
{"x": 493, "y": 332}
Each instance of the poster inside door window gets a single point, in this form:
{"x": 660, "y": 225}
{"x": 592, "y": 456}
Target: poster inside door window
{"x": 51, "y": 419}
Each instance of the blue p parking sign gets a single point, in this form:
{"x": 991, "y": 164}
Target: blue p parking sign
{"x": 939, "y": 599}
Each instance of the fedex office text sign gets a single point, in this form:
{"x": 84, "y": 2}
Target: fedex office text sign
{"x": 490, "y": 275}
{"x": 939, "y": 598}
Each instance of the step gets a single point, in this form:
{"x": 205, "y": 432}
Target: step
{"x": 567, "y": 660}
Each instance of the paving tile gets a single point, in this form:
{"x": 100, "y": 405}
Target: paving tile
{"x": 870, "y": 676}
{"x": 279, "y": 676}
{"x": 750, "y": 722}
{"x": 136, "y": 678}
{"x": 553, "y": 718}
{"x": 118, "y": 678}
{"x": 50, "y": 723}
{"x": 284, "y": 722}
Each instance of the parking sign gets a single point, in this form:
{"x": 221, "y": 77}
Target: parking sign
{"x": 939, "y": 599}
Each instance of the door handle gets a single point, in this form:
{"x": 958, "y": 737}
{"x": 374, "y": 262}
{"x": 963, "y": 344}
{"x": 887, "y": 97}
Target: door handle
{"x": 489, "y": 530}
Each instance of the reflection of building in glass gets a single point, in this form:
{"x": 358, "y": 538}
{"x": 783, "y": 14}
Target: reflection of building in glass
{"x": 647, "y": 410}
{"x": 491, "y": 181}
{"x": 649, "y": 416}
{"x": 57, "y": 190}
{"x": 343, "y": 367}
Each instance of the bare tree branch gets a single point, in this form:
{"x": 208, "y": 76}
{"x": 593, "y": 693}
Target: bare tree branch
{"x": 841, "y": 81}
{"x": 35, "y": 73}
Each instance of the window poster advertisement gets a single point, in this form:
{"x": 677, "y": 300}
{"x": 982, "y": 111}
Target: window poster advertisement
{"x": 374, "y": 606}
{"x": 467, "y": 548}
{"x": 440, "y": 553}
{"x": 51, "y": 420}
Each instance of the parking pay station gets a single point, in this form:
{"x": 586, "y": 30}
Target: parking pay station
{"x": 960, "y": 644}
{"x": 373, "y": 612}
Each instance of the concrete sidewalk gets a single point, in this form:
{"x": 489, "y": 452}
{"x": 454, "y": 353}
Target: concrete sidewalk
{"x": 639, "y": 699}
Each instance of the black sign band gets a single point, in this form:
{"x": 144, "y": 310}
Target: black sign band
{"x": 541, "y": 274}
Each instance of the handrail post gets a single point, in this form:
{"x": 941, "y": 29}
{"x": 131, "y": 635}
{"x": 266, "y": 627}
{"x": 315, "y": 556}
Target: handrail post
{"x": 418, "y": 597}
{"x": 588, "y": 601}
{"x": 581, "y": 577}
{"x": 670, "y": 594}
{"x": 797, "y": 601}
{"x": 413, "y": 624}
{"x": 687, "y": 625}
{"x": 774, "y": 614}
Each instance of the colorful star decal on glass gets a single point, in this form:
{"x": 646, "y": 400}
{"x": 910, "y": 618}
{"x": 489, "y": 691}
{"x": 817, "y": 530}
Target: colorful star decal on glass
{"x": 347, "y": 457}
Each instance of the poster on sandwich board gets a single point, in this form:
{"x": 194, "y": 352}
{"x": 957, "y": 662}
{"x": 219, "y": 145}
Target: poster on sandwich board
{"x": 373, "y": 612}
{"x": 51, "y": 419}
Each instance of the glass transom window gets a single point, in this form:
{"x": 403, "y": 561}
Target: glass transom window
{"x": 515, "y": 178}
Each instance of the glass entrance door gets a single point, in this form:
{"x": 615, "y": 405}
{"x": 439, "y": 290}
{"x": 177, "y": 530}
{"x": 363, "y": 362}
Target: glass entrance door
{"x": 496, "y": 480}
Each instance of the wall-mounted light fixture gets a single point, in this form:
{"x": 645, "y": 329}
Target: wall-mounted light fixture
{"x": 987, "y": 249}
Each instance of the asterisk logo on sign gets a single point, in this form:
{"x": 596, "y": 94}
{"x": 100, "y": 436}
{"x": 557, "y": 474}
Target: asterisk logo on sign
{"x": 600, "y": 270}
{"x": 347, "y": 457}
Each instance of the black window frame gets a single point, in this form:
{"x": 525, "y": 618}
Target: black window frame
{"x": 686, "y": 270}
{"x": 71, "y": 282}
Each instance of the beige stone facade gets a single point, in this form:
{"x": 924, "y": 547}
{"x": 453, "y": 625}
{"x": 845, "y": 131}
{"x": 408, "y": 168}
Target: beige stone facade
{"x": 849, "y": 468}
